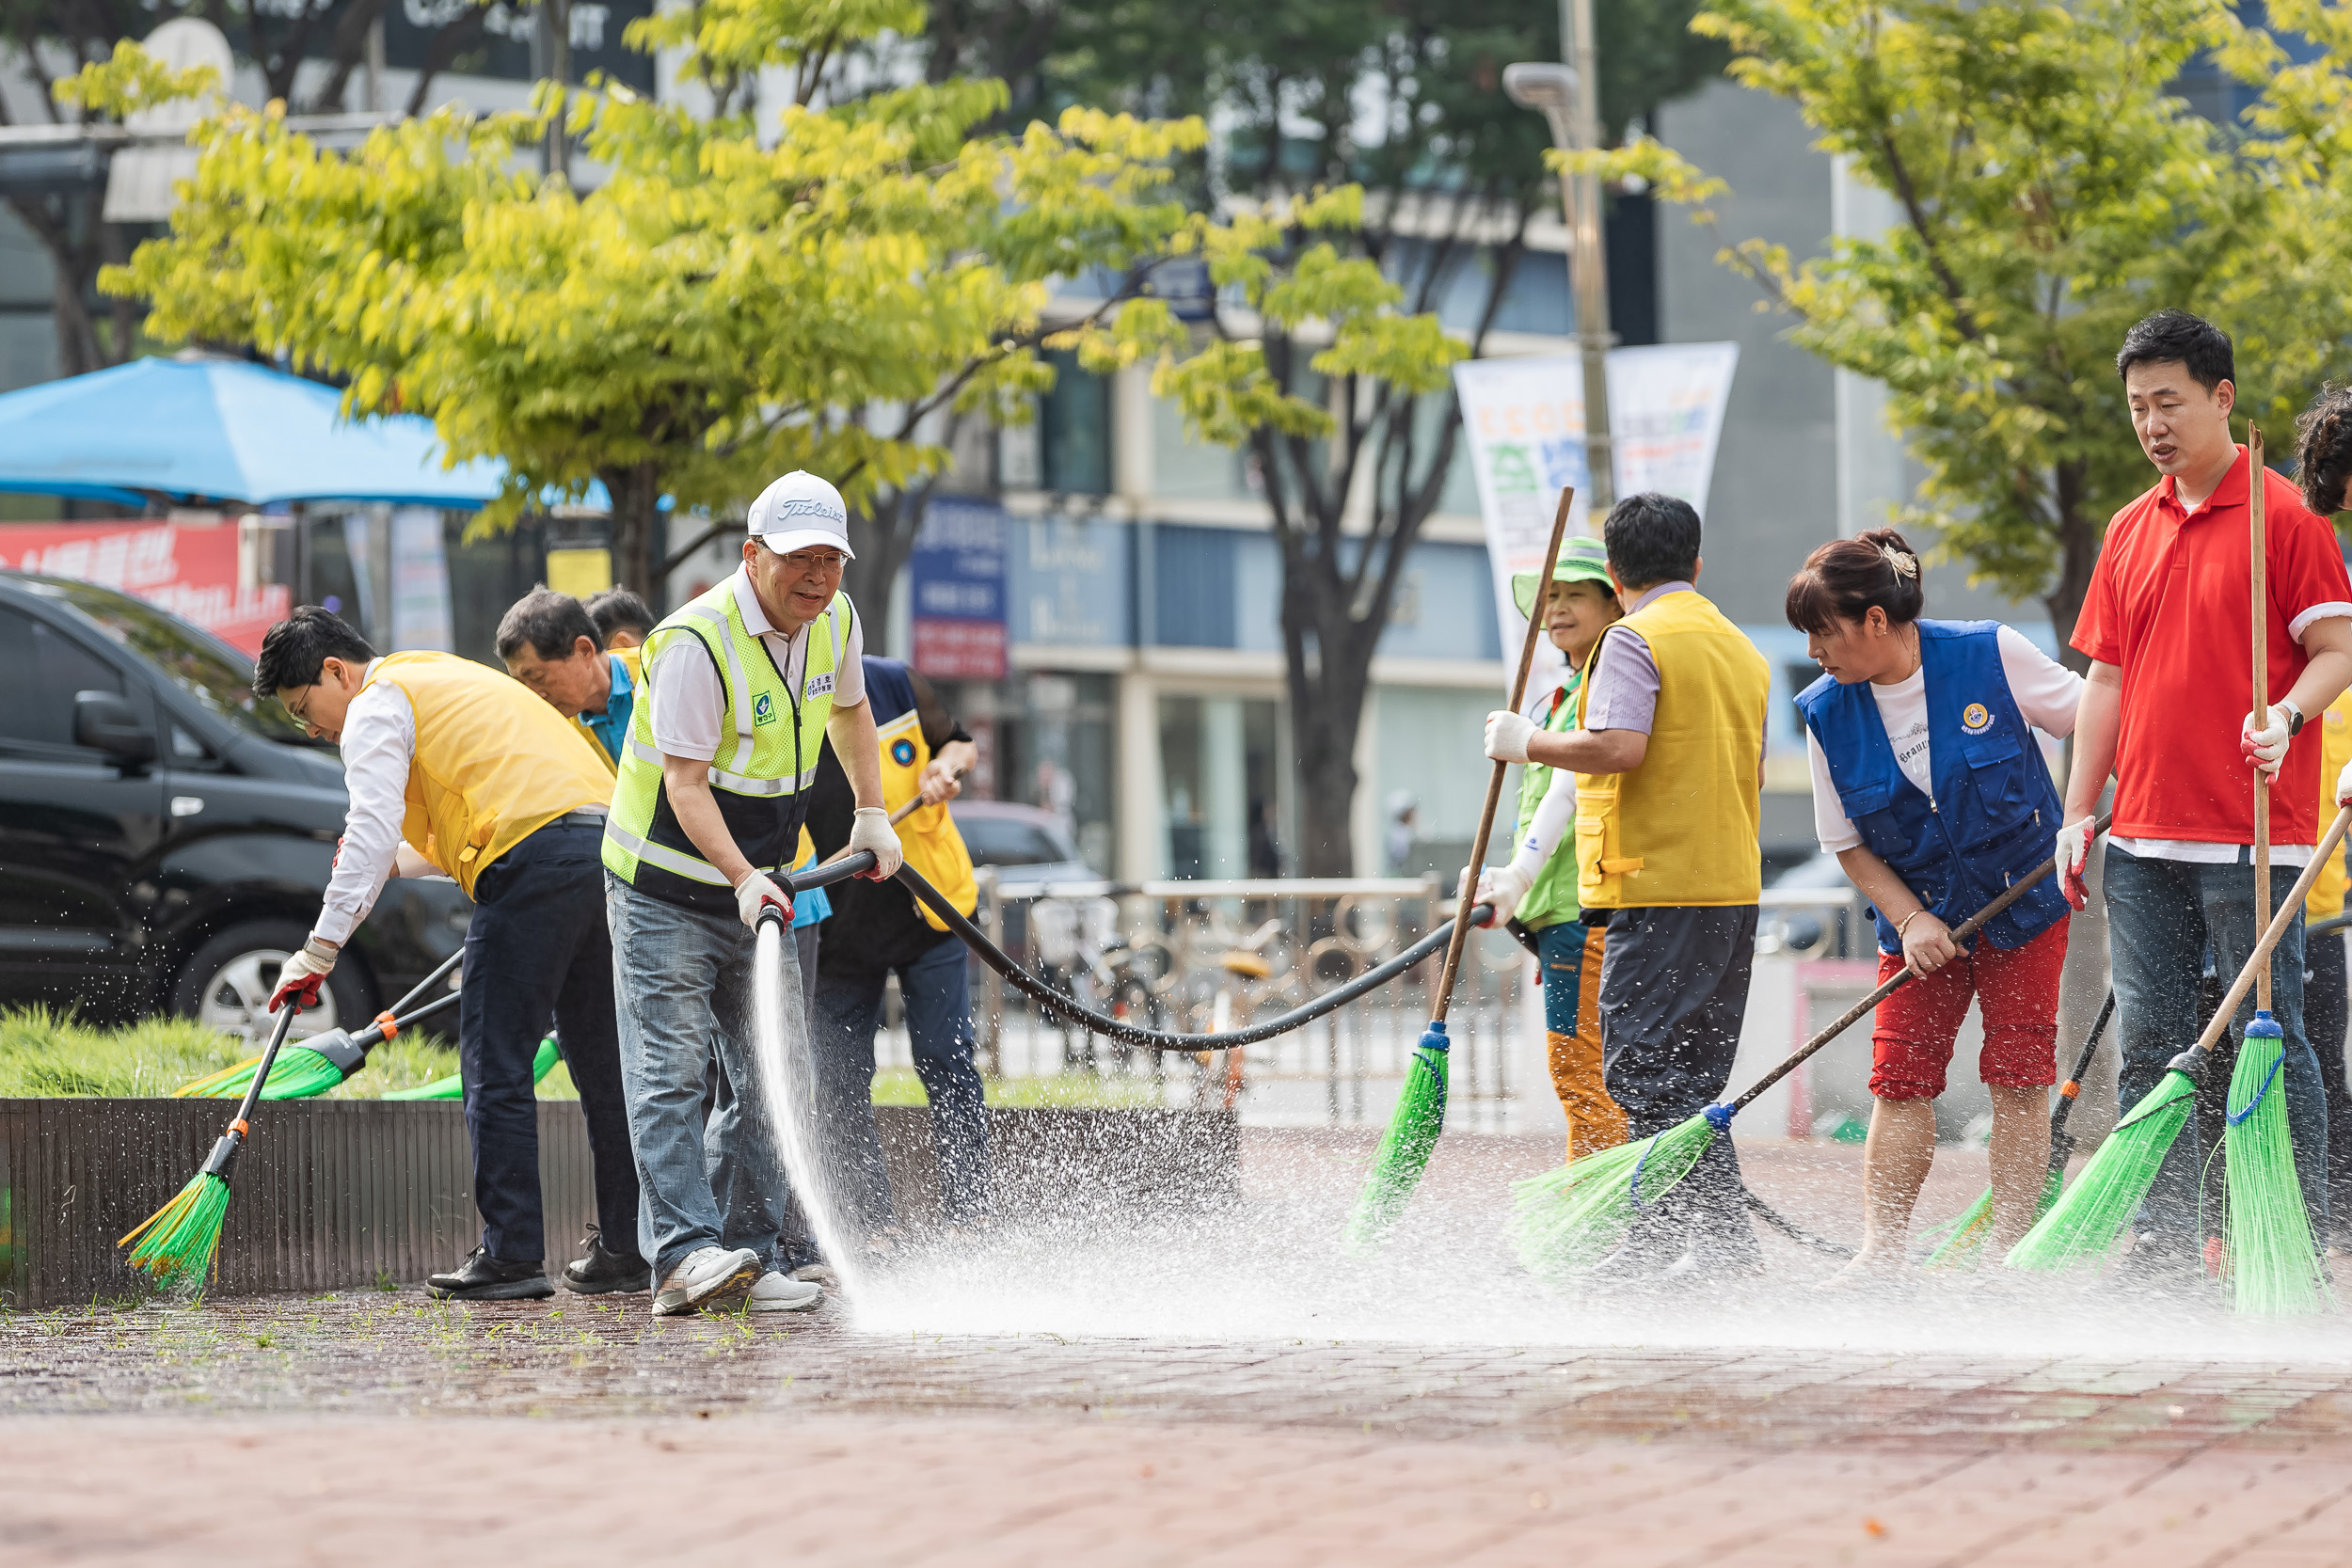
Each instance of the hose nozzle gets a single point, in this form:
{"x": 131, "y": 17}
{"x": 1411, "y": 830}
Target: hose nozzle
{"x": 779, "y": 913}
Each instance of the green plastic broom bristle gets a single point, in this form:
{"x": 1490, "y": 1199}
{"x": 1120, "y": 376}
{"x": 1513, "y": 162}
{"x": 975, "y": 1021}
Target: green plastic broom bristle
{"x": 300, "y": 1073}
{"x": 1404, "y": 1147}
{"x": 2082, "y": 1225}
{"x": 1564, "y": 1221}
{"x": 177, "y": 1244}
{"x": 2274, "y": 1266}
{"x": 1959, "y": 1243}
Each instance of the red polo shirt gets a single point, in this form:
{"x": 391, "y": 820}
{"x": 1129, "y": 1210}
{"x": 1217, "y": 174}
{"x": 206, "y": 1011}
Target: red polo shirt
{"x": 2168, "y": 604}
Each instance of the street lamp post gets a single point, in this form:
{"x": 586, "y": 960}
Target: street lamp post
{"x": 1574, "y": 117}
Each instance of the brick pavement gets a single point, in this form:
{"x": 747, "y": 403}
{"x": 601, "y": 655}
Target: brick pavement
{"x": 377, "y": 1427}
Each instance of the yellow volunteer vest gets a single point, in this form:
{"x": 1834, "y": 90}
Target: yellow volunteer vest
{"x": 494, "y": 764}
{"x": 1681, "y": 828}
{"x": 632, "y": 660}
{"x": 2326, "y": 901}
{"x": 929, "y": 835}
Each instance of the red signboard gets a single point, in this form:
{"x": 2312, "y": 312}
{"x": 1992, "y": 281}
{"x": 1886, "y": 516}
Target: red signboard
{"x": 189, "y": 569}
{"x": 960, "y": 650}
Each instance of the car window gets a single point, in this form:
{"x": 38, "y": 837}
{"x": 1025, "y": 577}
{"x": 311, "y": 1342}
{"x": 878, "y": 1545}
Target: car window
{"x": 46, "y": 668}
{"x": 1001, "y": 841}
{"x": 211, "y": 672}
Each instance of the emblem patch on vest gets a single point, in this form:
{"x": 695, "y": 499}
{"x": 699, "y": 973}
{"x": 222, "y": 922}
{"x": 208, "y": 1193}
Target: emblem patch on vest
{"x": 763, "y": 709}
{"x": 818, "y": 686}
{"x": 1976, "y": 719}
{"x": 902, "y": 751}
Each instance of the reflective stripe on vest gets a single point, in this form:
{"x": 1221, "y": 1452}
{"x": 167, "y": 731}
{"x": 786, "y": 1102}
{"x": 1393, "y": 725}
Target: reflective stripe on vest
{"x": 759, "y": 777}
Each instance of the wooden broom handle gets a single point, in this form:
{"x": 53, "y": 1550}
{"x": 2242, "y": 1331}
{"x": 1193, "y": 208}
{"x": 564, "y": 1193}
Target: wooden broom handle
{"x": 1494, "y": 783}
{"x": 2254, "y": 522}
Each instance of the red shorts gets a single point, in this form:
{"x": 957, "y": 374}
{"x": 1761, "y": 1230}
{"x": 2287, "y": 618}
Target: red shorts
{"x": 2018, "y": 991}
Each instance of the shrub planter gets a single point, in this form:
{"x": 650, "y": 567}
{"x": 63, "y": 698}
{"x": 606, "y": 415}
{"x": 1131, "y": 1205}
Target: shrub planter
{"x": 332, "y": 1195}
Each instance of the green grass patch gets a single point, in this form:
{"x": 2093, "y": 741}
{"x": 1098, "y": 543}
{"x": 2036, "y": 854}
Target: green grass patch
{"x": 47, "y": 1054}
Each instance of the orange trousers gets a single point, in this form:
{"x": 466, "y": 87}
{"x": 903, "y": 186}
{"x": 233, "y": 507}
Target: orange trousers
{"x": 1571, "y": 974}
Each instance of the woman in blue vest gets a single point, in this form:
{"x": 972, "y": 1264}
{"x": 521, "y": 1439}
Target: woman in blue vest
{"x": 1931, "y": 789}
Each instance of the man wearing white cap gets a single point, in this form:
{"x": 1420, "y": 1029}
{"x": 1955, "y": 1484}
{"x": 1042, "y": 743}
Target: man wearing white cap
{"x": 743, "y": 688}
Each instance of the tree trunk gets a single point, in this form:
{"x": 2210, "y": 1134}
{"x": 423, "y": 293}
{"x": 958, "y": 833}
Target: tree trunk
{"x": 2078, "y": 552}
{"x": 636, "y": 496}
{"x": 883, "y": 538}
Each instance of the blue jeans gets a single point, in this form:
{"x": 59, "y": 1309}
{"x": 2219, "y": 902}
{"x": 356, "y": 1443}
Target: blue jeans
{"x": 683, "y": 981}
{"x": 537, "y": 949}
{"x": 938, "y": 994}
{"x": 2162, "y": 915}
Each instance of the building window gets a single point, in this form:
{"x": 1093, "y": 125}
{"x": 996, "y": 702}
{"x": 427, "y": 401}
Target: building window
{"x": 1074, "y": 423}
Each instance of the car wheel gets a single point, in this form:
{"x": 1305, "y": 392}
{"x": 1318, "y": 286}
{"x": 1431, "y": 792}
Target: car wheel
{"x": 227, "y": 982}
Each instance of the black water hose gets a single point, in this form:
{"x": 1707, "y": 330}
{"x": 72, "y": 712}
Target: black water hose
{"x": 1125, "y": 1034}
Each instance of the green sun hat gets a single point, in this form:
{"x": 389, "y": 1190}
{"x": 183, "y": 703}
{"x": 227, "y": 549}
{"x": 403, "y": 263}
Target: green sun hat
{"x": 1581, "y": 560}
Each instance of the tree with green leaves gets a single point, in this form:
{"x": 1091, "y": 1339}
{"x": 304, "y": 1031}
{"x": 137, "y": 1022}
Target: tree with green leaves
{"x": 2051, "y": 190}
{"x": 745, "y": 293}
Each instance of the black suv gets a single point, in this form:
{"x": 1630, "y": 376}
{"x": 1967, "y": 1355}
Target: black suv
{"x": 165, "y": 837}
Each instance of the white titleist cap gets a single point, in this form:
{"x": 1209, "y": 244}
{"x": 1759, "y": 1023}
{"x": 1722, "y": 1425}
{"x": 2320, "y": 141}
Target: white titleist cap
{"x": 799, "y": 511}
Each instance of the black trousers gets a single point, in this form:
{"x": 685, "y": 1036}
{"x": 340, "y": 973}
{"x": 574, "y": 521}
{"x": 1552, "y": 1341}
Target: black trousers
{"x": 1674, "y": 987}
{"x": 2325, "y": 1011}
{"x": 538, "y": 948}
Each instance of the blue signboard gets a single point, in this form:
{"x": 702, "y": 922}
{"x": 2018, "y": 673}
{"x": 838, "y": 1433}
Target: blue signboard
{"x": 957, "y": 577}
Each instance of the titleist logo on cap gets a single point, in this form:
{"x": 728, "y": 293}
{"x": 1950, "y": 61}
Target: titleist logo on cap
{"x": 806, "y": 506}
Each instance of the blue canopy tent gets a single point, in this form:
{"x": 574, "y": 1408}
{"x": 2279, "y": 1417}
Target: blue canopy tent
{"x": 198, "y": 429}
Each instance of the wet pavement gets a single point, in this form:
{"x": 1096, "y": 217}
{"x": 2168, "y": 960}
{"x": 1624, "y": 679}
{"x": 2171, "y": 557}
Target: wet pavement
{"x": 380, "y": 1427}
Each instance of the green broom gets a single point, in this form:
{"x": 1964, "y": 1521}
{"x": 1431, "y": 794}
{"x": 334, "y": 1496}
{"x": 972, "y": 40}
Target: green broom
{"x": 2273, "y": 1267}
{"x": 453, "y": 1086}
{"x": 1419, "y": 1116}
{"x": 177, "y": 1243}
{"x": 325, "y": 1060}
{"x": 2083, "y": 1225}
{"x": 1566, "y": 1220}
{"x": 1959, "y": 1243}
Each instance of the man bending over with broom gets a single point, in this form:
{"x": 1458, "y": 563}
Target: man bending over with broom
{"x": 2165, "y": 622}
{"x": 458, "y": 768}
{"x": 1670, "y": 741}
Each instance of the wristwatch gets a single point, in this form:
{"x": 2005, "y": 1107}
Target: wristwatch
{"x": 2294, "y": 717}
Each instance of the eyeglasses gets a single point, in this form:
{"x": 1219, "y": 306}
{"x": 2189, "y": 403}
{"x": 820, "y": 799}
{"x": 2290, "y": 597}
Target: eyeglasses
{"x": 816, "y": 560}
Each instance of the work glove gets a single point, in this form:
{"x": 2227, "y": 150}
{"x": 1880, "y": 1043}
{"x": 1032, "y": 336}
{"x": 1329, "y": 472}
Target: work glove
{"x": 872, "y": 830}
{"x": 755, "y": 893}
{"x": 2267, "y": 748}
{"x": 2074, "y": 852}
{"x": 941, "y": 783}
{"x": 1502, "y": 886}
{"x": 302, "y": 973}
{"x": 1506, "y": 735}
{"x": 2344, "y": 785}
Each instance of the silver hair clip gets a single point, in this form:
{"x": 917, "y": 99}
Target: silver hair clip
{"x": 1905, "y": 563}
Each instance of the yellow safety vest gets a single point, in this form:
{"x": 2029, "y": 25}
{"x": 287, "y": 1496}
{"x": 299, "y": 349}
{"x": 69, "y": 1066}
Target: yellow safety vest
{"x": 929, "y": 835}
{"x": 770, "y": 737}
{"x": 492, "y": 765}
{"x": 1681, "y": 828}
{"x": 2335, "y": 748}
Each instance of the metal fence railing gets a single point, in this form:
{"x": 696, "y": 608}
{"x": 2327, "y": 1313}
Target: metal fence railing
{"x": 1204, "y": 957}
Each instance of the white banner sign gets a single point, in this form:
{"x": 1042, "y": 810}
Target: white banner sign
{"x": 1525, "y": 421}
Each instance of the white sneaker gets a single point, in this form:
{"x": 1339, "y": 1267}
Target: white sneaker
{"x": 776, "y": 1293}
{"x": 709, "y": 1276}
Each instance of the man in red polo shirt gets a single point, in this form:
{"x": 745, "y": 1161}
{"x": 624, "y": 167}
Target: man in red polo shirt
{"x": 2167, "y": 626}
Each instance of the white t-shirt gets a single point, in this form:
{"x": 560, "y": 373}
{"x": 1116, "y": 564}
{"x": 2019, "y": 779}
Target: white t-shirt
{"x": 689, "y": 699}
{"x": 2046, "y": 694}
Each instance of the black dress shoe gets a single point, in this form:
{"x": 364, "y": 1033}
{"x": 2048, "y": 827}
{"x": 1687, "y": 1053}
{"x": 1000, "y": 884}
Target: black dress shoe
{"x": 483, "y": 1277}
{"x": 602, "y": 1273}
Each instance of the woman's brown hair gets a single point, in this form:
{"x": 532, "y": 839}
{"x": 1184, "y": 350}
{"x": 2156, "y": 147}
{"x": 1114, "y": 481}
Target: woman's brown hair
{"x": 1843, "y": 578}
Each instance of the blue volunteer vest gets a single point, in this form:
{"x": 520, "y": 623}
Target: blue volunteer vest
{"x": 1995, "y": 812}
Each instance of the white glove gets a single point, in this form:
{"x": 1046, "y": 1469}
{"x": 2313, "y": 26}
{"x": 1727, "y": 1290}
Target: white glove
{"x": 2267, "y": 748}
{"x": 304, "y": 971}
{"x": 1502, "y": 886}
{"x": 2343, "y": 785}
{"x": 2073, "y": 851}
{"x": 872, "y": 830}
{"x": 1506, "y": 735}
{"x": 755, "y": 892}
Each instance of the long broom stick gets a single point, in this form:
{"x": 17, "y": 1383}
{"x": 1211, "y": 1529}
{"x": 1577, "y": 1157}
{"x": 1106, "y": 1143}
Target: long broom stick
{"x": 177, "y": 1243}
{"x": 2274, "y": 1265}
{"x": 1959, "y": 1242}
{"x": 2084, "y": 1223}
{"x": 1568, "y": 1219}
{"x": 322, "y": 1061}
{"x": 1419, "y": 1116}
